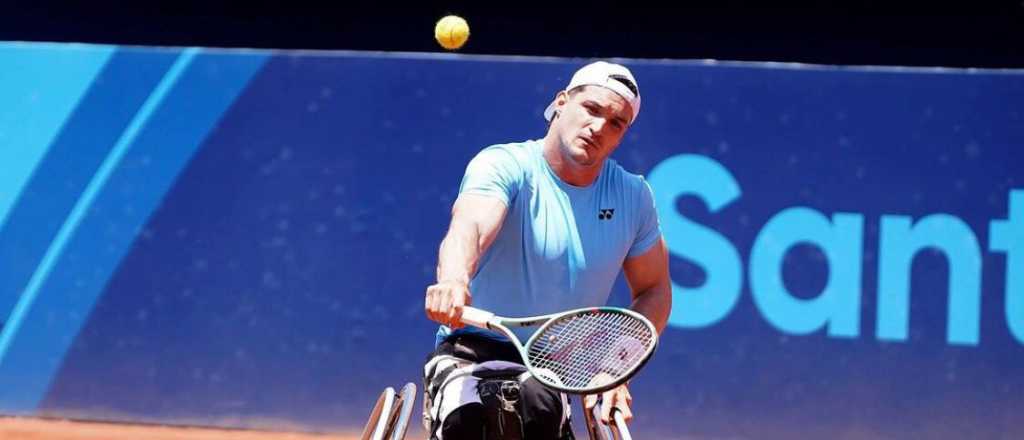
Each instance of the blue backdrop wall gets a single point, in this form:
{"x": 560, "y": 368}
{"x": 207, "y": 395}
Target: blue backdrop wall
{"x": 243, "y": 238}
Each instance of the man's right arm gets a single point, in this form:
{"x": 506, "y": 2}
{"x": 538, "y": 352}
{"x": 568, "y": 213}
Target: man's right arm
{"x": 476, "y": 220}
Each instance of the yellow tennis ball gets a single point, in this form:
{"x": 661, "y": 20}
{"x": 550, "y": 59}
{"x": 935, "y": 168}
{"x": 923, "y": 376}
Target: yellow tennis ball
{"x": 451, "y": 32}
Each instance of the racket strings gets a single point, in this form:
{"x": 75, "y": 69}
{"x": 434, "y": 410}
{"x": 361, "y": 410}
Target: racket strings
{"x": 590, "y": 350}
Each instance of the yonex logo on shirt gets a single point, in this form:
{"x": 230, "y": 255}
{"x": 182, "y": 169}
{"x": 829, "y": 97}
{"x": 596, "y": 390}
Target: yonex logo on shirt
{"x": 606, "y": 214}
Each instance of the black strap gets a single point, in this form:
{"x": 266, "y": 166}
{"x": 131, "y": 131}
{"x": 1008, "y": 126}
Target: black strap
{"x": 432, "y": 389}
{"x": 438, "y": 379}
{"x": 502, "y": 406}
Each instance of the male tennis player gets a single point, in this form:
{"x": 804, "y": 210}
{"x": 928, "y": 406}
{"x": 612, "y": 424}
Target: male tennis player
{"x": 540, "y": 227}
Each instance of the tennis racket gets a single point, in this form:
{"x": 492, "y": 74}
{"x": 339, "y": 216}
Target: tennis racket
{"x": 582, "y": 351}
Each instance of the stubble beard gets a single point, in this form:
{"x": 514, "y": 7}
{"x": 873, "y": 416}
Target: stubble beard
{"x": 579, "y": 153}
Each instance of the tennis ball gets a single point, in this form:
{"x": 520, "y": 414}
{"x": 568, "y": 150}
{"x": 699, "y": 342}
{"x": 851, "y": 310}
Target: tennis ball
{"x": 451, "y": 32}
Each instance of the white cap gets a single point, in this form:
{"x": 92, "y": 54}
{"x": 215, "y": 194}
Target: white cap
{"x": 610, "y": 76}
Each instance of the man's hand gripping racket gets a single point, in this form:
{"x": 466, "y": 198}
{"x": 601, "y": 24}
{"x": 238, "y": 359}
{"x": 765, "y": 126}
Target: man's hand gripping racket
{"x": 582, "y": 351}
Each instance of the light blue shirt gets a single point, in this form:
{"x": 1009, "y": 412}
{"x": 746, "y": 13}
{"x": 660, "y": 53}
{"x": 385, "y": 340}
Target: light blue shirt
{"x": 560, "y": 246}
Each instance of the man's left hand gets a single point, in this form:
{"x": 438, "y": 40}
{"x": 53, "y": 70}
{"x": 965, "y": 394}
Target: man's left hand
{"x": 617, "y": 397}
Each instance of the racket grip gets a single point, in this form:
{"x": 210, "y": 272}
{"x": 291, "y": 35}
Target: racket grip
{"x": 476, "y": 317}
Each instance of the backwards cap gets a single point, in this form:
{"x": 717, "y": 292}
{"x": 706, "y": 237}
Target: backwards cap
{"x": 610, "y": 76}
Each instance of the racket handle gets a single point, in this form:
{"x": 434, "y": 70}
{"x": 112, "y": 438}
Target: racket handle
{"x": 476, "y": 317}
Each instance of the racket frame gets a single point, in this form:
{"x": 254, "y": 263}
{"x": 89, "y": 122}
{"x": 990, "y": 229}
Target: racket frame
{"x": 487, "y": 320}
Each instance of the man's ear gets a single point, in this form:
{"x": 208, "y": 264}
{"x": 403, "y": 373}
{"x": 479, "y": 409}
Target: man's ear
{"x": 560, "y": 99}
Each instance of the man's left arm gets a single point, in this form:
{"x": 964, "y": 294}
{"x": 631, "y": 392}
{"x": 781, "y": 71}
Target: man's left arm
{"x": 648, "y": 278}
{"x": 649, "y": 282}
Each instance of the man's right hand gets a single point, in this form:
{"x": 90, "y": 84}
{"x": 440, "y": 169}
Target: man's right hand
{"x": 445, "y": 300}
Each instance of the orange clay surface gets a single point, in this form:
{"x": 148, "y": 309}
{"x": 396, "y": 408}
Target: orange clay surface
{"x": 18, "y": 428}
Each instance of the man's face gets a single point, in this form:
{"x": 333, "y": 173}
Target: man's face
{"x": 590, "y": 124}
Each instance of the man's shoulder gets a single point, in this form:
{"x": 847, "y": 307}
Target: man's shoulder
{"x": 513, "y": 159}
{"x": 514, "y": 151}
{"x": 632, "y": 182}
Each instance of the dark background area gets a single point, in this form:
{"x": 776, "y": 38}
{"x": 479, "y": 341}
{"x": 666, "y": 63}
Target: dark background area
{"x": 962, "y": 34}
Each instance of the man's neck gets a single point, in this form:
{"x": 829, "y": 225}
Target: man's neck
{"x": 564, "y": 168}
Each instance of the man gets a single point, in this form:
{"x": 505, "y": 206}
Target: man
{"x": 541, "y": 227}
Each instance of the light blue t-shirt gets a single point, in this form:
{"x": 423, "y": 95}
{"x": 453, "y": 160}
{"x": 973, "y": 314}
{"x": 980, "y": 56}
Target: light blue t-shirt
{"x": 560, "y": 246}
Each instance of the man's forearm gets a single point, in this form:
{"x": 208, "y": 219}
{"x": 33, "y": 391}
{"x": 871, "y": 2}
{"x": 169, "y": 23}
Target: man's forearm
{"x": 458, "y": 255}
{"x": 656, "y": 304}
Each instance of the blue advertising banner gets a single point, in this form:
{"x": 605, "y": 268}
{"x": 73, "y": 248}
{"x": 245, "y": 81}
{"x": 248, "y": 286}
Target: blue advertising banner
{"x": 243, "y": 238}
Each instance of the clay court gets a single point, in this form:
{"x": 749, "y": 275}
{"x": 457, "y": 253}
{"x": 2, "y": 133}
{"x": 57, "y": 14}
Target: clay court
{"x": 13, "y": 428}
